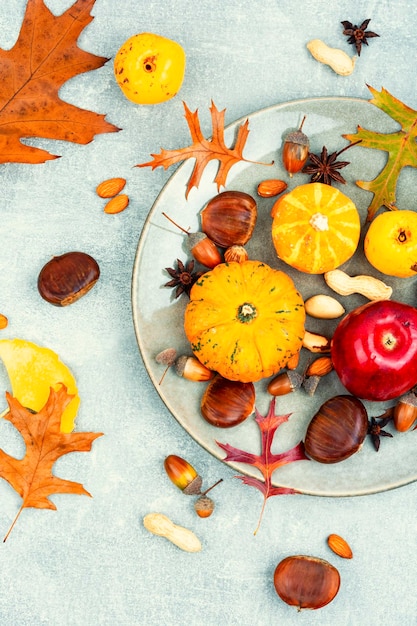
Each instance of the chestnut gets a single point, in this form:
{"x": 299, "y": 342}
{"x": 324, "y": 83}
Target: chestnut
{"x": 337, "y": 430}
{"x": 229, "y": 218}
{"x": 66, "y": 278}
{"x": 306, "y": 582}
{"x": 226, "y": 403}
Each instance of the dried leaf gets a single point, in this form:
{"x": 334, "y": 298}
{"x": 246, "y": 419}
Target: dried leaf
{"x": 32, "y": 476}
{"x": 266, "y": 462}
{"x": 400, "y": 145}
{"x": 43, "y": 58}
{"x": 204, "y": 150}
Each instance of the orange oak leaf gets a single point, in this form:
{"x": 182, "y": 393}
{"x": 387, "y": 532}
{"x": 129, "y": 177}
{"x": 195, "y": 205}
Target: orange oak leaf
{"x": 205, "y": 150}
{"x": 266, "y": 462}
{"x": 43, "y": 58}
{"x": 32, "y": 476}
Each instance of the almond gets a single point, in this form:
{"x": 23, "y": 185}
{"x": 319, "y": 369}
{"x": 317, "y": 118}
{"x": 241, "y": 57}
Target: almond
{"x": 320, "y": 367}
{"x": 271, "y": 187}
{"x": 117, "y": 204}
{"x": 339, "y": 546}
{"x": 111, "y": 187}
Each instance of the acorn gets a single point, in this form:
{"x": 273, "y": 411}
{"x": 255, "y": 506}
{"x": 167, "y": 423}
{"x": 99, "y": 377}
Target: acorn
{"x": 229, "y": 218}
{"x": 226, "y": 403}
{"x": 337, "y": 430}
{"x": 295, "y": 150}
{"x": 310, "y": 384}
{"x": 166, "y": 357}
{"x": 204, "y": 506}
{"x": 201, "y": 247}
{"x": 306, "y": 582}
{"x": 285, "y": 382}
{"x": 191, "y": 368}
{"x": 183, "y": 475}
{"x": 405, "y": 412}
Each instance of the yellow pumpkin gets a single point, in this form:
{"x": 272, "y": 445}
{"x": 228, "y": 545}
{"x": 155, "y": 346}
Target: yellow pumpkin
{"x": 244, "y": 320}
{"x": 316, "y": 228}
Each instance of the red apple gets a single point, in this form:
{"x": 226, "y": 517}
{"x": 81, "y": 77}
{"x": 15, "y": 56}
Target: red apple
{"x": 374, "y": 350}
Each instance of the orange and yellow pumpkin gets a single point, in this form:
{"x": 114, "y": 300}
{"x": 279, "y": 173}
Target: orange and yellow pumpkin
{"x": 245, "y": 320}
{"x": 315, "y": 228}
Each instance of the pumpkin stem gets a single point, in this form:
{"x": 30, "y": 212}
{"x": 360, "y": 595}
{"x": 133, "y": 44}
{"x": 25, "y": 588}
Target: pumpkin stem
{"x": 246, "y": 312}
{"x": 319, "y": 222}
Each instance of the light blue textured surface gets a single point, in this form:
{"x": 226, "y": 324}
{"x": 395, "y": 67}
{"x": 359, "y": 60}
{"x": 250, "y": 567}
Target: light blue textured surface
{"x": 91, "y": 561}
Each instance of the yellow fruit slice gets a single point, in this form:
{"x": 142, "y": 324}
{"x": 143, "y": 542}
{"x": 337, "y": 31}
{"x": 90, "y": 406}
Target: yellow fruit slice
{"x": 32, "y": 371}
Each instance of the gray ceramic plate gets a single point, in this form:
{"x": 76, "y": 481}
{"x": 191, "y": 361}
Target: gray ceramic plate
{"x": 158, "y": 317}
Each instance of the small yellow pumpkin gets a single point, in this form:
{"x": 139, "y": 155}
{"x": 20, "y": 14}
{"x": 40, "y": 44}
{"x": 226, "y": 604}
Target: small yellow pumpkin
{"x": 316, "y": 228}
{"x": 244, "y": 320}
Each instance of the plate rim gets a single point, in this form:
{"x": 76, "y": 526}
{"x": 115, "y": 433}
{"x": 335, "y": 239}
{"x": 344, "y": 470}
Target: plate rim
{"x": 134, "y": 292}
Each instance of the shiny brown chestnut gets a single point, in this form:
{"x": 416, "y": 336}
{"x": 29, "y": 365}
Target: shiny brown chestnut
{"x": 229, "y": 218}
{"x": 68, "y": 277}
{"x": 306, "y": 582}
{"x": 337, "y": 430}
{"x": 226, "y": 403}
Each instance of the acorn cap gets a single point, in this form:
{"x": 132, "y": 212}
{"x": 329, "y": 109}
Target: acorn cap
{"x": 196, "y": 238}
{"x": 194, "y": 487}
{"x": 409, "y": 398}
{"x": 298, "y": 137}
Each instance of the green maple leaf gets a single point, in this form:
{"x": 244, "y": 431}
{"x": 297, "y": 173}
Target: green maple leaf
{"x": 401, "y": 147}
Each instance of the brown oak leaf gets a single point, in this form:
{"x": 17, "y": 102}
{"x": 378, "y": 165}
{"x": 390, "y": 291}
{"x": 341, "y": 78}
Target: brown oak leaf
{"x": 43, "y": 58}
{"x": 205, "y": 150}
{"x": 266, "y": 462}
{"x": 31, "y": 477}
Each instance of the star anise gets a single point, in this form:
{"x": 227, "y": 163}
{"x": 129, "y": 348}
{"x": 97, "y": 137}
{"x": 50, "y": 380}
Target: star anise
{"x": 375, "y": 428}
{"x": 358, "y": 35}
{"x": 183, "y": 277}
{"x": 324, "y": 168}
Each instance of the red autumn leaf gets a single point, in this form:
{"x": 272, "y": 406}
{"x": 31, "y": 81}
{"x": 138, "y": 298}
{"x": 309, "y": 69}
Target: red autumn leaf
{"x": 266, "y": 462}
{"x": 43, "y": 58}
{"x": 32, "y": 476}
{"x": 204, "y": 150}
